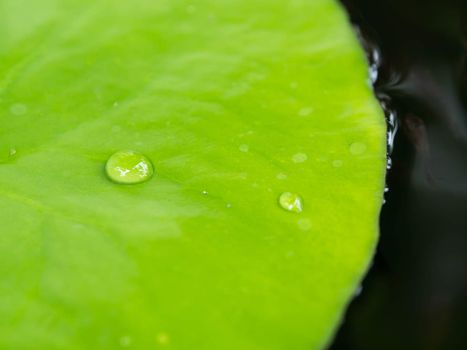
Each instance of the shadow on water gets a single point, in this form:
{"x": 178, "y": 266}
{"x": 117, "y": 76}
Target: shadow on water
{"x": 415, "y": 296}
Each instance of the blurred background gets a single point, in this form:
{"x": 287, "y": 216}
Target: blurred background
{"x": 415, "y": 295}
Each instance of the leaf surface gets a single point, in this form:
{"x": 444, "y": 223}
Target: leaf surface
{"x": 235, "y": 103}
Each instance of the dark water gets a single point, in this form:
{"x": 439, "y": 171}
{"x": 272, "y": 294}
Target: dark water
{"x": 415, "y": 296}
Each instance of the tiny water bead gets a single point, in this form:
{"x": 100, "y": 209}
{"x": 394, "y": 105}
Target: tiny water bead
{"x": 12, "y": 152}
{"x": 305, "y": 111}
{"x": 357, "y": 148}
{"x": 125, "y": 341}
{"x": 299, "y": 158}
{"x": 18, "y": 109}
{"x": 244, "y": 148}
{"x": 291, "y": 202}
{"x": 128, "y": 167}
{"x": 281, "y": 176}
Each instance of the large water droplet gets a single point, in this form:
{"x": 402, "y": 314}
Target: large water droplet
{"x": 291, "y": 202}
{"x": 357, "y": 148}
{"x": 129, "y": 167}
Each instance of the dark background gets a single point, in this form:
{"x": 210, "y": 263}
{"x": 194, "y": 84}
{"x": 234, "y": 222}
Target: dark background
{"x": 415, "y": 295}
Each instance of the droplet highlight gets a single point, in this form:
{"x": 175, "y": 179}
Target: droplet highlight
{"x": 129, "y": 167}
{"x": 357, "y": 148}
{"x": 12, "y": 152}
{"x": 291, "y": 202}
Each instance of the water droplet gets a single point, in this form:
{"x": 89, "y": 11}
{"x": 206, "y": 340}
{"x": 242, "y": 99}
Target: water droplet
{"x": 163, "y": 338}
{"x": 281, "y": 176}
{"x": 18, "y": 109}
{"x": 244, "y": 148}
{"x": 304, "y": 112}
{"x": 125, "y": 341}
{"x": 358, "y": 291}
{"x": 291, "y": 202}
{"x": 337, "y": 163}
{"x": 228, "y": 205}
{"x": 389, "y": 163}
{"x": 304, "y": 224}
{"x": 128, "y": 167}
{"x": 115, "y": 104}
{"x": 205, "y": 193}
{"x": 12, "y": 152}
{"x": 299, "y": 157}
{"x": 357, "y": 148}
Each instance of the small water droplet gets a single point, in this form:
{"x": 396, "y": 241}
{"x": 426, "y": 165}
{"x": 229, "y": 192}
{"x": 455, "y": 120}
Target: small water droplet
{"x": 386, "y": 190}
{"x": 291, "y": 202}
{"x": 358, "y": 291}
{"x": 205, "y": 193}
{"x": 128, "y": 167}
{"x": 244, "y": 148}
{"x": 304, "y": 112}
{"x": 12, "y": 152}
{"x": 281, "y": 176}
{"x": 228, "y": 205}
{"x": 357, "y": 148}
{"x": 125, "y": 341}
{"x": 18, "y": 109}
{"x": 115, "y": 104}
{"x": 389, "y": 163}
{"x": 304, "y": 224}
{"x": 163, "y": 338}
{"x": 299, "y": 157}
{"x": 337, "y": 163}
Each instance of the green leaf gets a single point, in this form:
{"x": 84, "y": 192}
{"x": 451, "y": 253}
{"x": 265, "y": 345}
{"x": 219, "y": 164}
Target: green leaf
{"x": 234, "y": 103}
